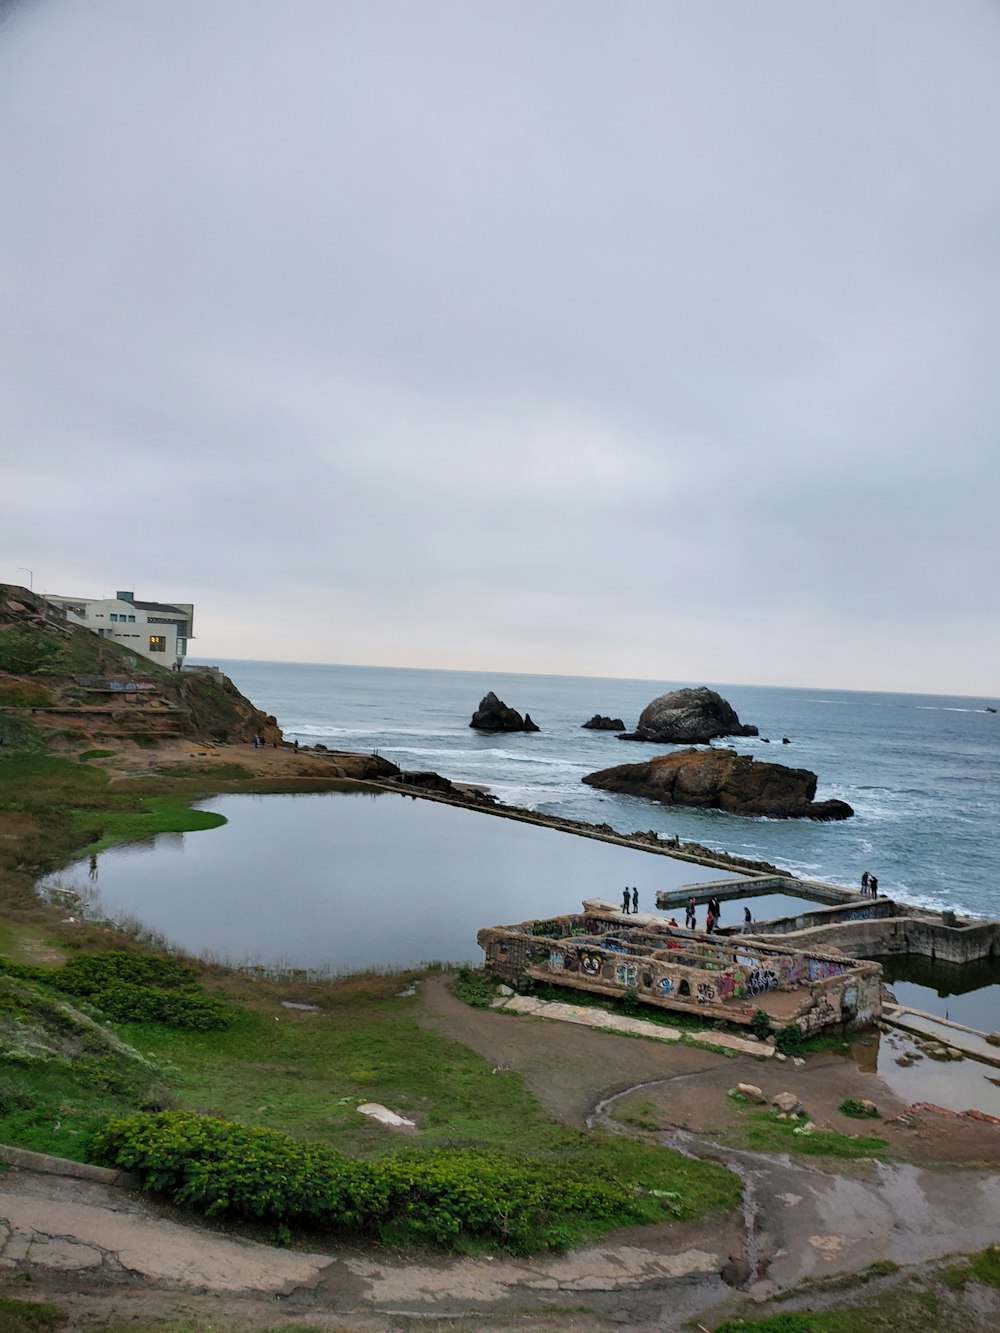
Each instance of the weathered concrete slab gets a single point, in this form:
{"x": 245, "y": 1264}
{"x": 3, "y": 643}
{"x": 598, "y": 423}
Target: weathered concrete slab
{"x": 588, "y": 1016}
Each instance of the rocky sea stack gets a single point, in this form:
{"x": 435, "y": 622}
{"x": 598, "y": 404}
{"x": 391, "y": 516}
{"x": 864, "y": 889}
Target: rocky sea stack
{"x": 494, "y": 715}
{"x": 688, "y": 717}
{"x": 722, "y": 780}
{"x": 601, "y": 723}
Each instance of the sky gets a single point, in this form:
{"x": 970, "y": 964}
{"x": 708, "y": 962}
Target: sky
{"x": 643, "y": 338}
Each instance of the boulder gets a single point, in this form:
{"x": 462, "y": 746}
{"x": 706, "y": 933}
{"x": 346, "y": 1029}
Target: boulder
{"x": 494, "y": 715}
{"x": 722, "y": 780}
{"x": 787, "y": 1102}
{"x": 601, "y": 723}
{"x": 751, "y": 1092}
{"x": 688, "y": 717}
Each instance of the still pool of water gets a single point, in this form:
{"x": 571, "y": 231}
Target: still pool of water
{"x": 346, "y": 882}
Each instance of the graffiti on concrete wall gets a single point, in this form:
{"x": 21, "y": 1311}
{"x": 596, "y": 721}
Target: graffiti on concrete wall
{"x": 706, "y": 993}
{"x": 760, "y": 980}
{"x": 591, "y": 963}
{"x": 557, "y": 961}
{"x": 626, "y": 974}
{"x": 666, "y": 986}
{"x": 822, "y": 968}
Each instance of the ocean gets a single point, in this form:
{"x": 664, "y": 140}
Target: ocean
{"x": 922, "y": 772}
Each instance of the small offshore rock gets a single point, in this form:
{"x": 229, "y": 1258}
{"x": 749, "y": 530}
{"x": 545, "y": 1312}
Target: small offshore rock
{"x": 601, "y": 723}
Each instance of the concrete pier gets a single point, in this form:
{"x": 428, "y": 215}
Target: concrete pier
{"x": 755, "y": 886}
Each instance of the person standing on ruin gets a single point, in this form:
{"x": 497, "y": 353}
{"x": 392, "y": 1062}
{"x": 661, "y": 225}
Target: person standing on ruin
{"x": 865, "y": 878}
{"x": 873, "y": 885}
{"x": 635, "y": 900}
{"x": 689, "y": 918}
{"x": 626, "y": 899}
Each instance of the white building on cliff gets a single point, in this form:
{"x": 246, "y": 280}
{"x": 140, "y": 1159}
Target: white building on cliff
{"x": 157, "y": 630}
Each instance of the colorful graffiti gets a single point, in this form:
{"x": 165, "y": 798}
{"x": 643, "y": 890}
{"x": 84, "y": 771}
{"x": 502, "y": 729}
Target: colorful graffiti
{"x": 626, "y": 974}
{"x": 666, "y": 986}
{"x": 591, "y": 963}
{"x": 557, "y": 961}
{"x": 821, "y": 968}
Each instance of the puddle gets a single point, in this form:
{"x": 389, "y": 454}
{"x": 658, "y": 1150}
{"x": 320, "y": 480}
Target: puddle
{"x": 957, "y": 1085}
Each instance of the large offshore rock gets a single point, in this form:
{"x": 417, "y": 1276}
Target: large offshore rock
{"x": 494, "y": 715}
{"x": 722, "y": 780}
{"x": 688, "y": 717}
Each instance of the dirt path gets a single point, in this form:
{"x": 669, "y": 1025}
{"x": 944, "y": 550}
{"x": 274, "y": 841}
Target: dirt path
{"x": 108, "y": 1256}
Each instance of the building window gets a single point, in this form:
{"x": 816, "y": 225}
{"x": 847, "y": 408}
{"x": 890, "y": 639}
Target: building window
{"x": 114, "y": 617}
{"x": 131, "y": 620}
{"x": 157, "y": 643}
{"x": 181, "y": 647}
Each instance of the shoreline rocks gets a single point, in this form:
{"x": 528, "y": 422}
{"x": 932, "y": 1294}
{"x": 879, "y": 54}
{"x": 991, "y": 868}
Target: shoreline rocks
{"x": 722, "y": 780}
{"x": 494, "y": 715}
{"x": 688, "y": 717}
{"x": 601, "y": 723}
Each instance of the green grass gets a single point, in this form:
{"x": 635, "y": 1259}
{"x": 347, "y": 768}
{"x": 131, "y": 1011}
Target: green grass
{"x": 766, "y": 1133}
{"x": 97, "y": 754}
{"x": 161, "y": 814}
{"x": 28, "y": 1316}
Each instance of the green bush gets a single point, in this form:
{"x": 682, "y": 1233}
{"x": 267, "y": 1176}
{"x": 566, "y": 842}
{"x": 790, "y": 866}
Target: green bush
{"x": 760, "y": 1025}
{"x": 133, "y": 988}
{"x": 473, "y": 987}
{"x": 857, "y": 1109}
{"x": 788, "y": 1040}
{"x": 439, "y": 1195}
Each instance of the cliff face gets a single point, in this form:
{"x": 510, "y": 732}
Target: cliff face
{"x": 67, "y": 684}
{"x": 688, "y": 717}
{"x": 722, "y": 780}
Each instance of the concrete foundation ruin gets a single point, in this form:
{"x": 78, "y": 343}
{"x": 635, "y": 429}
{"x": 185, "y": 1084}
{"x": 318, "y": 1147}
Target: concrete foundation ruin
{"x": 713, "y": 976}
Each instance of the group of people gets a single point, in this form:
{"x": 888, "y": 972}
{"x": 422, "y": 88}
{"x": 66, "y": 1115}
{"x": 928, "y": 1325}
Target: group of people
{"x": 630, "y": 900}
{"x": 869, "y": 884}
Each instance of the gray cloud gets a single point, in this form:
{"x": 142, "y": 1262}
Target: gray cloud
{"x": 653, "y": 340}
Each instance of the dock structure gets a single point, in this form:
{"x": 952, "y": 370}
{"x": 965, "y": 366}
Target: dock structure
{"x": 605, "y": 951}
{"x": 754, "y": 886}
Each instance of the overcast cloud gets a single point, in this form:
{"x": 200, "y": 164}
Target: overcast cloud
{"x": 637, "y": 337}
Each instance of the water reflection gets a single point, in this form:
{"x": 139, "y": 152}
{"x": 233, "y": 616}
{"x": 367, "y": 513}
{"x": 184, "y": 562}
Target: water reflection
{"x": 343, "y": 883}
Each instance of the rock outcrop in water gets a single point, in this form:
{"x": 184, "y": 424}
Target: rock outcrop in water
{"x": 601, "y": 723}
{"x": 494, "y": 715}
{"x": 722, "y": 780}
{"x": 688, "y": 717}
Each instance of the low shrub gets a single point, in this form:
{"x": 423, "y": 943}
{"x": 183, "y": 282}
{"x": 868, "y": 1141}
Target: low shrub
{"x": 788, "y": 1040}
{"x": 439, "y": 1195}
{"x": 444, "y": 1196}
{"x": 760, "y": 1025}
{"x": 133, "y": 988}
{"x": 857, "y": 1110}
{"x": 473, "y": 987}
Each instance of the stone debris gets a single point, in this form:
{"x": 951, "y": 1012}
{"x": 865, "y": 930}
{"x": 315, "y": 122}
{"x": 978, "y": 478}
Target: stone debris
{"x": 588, "y": 1016}
{"x": 786, "y": 1101}
{"x": 386, "y": 1117}
{"x": 751, "y": 1092}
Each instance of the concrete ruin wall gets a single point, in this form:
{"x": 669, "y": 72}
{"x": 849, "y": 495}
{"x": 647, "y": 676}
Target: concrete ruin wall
{"x": 885, "y": 929}
{"x": 687, "y": 971}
